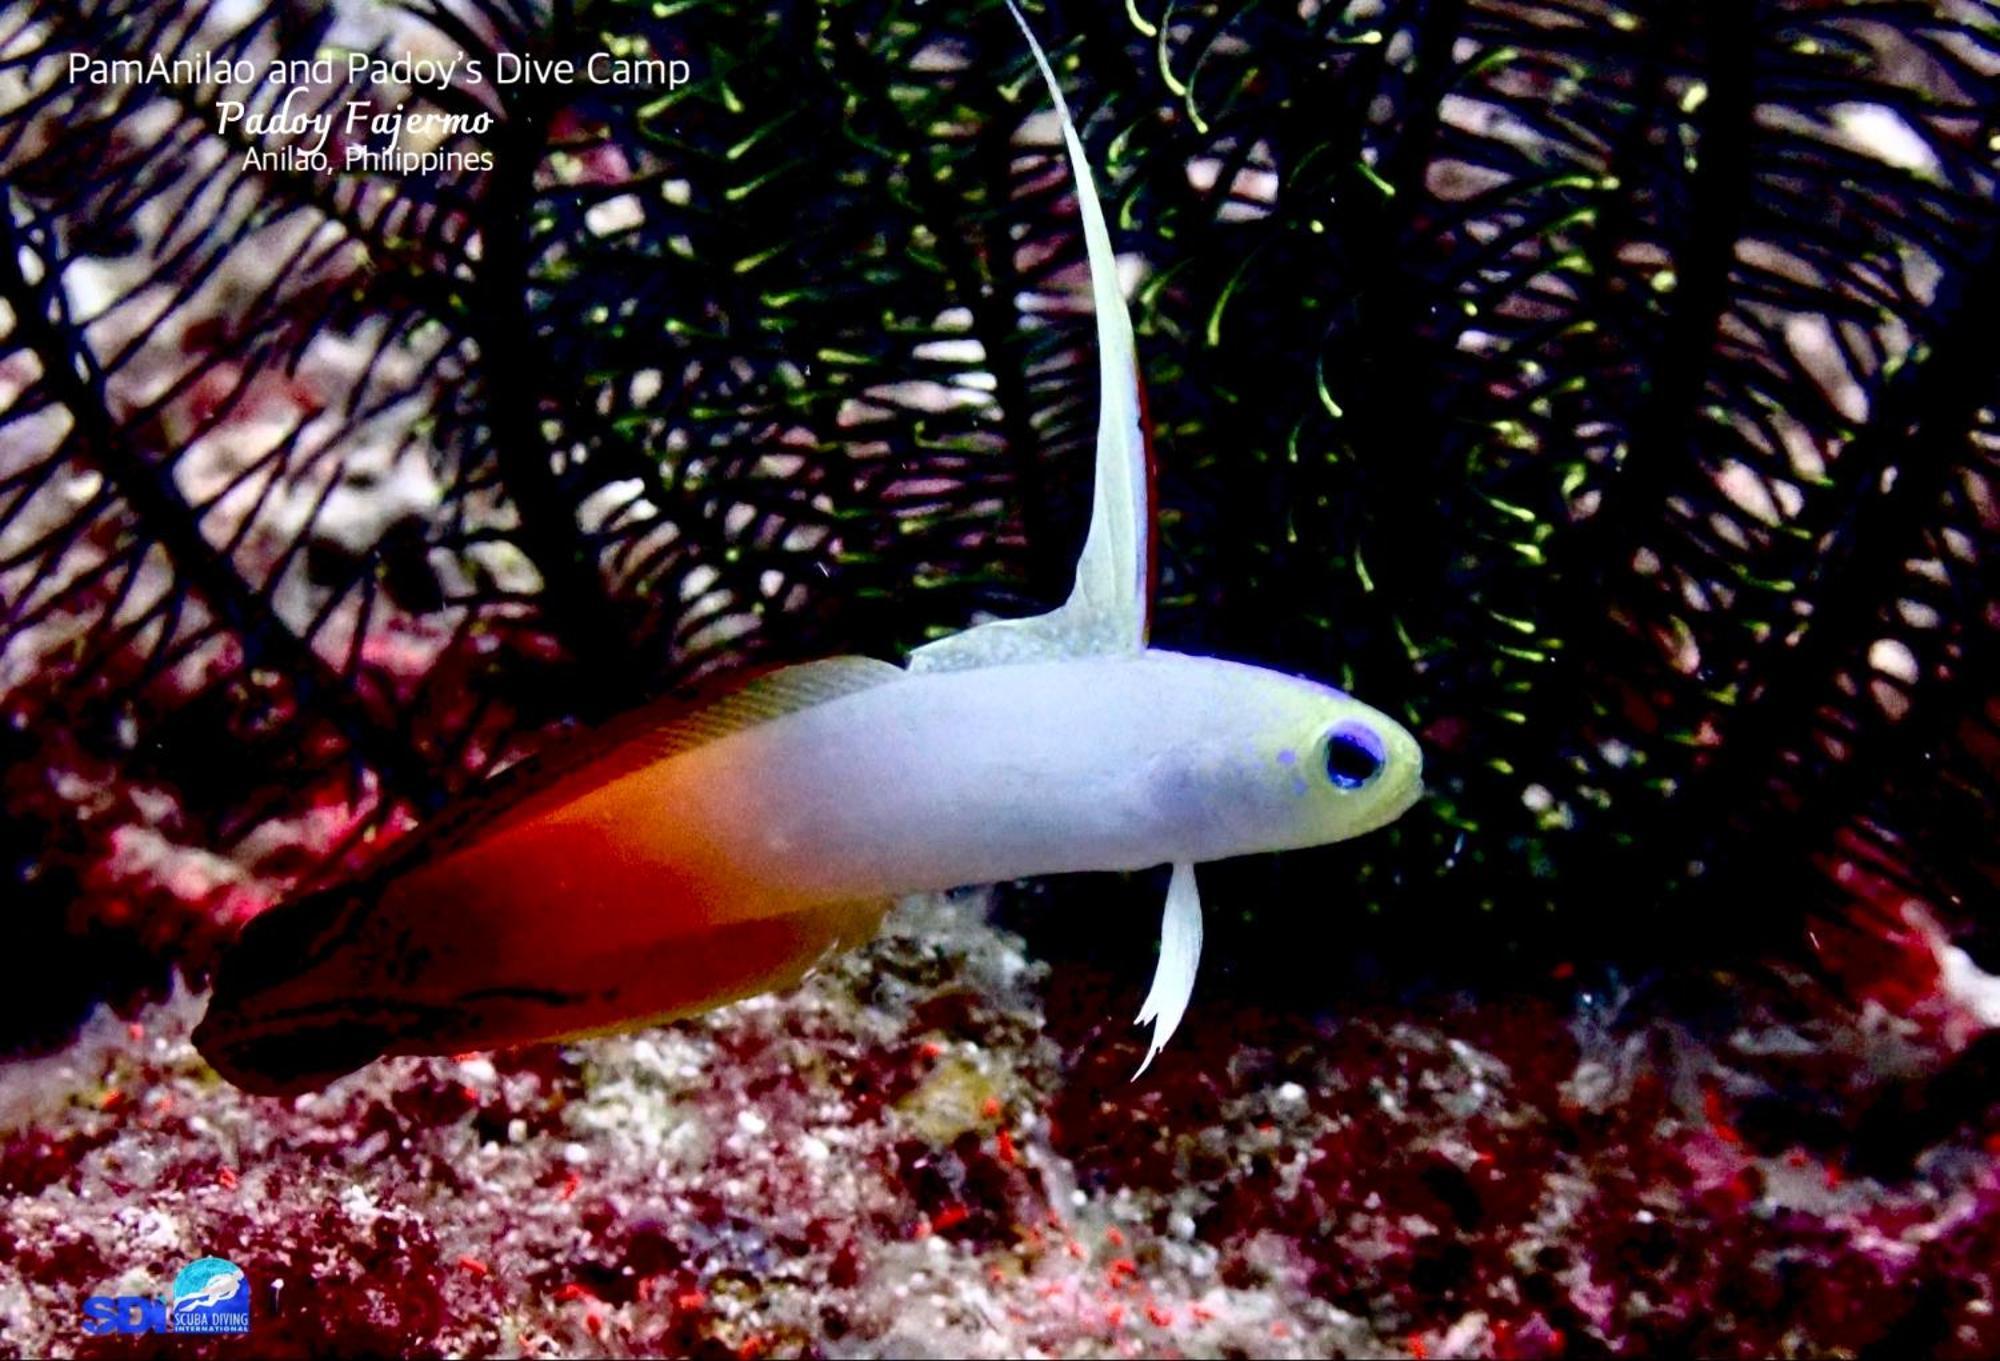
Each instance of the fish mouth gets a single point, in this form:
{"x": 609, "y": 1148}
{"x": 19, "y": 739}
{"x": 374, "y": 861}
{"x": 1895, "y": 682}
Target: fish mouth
{"x": 1411, "y": 797}
{"x": 1412, "y": 792}
{"x": 1394, "y": 804}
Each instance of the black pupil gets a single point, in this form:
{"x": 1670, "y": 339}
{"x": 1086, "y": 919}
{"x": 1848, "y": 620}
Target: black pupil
{"x": 1350, "y": 763}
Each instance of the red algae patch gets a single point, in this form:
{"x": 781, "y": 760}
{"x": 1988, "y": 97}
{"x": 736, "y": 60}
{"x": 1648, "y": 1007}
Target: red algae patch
{"x": 933, "y": 1148}
{"x": 863, "y": 1166}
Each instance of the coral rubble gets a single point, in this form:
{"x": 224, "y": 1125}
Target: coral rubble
{"x": 933, "y": 1148}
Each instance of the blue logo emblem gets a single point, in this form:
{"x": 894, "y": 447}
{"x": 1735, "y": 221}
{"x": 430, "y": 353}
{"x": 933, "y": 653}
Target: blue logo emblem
{"x": 211, "y": 1295}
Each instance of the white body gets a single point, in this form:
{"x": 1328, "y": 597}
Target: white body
{"x": 1099, "y": 763}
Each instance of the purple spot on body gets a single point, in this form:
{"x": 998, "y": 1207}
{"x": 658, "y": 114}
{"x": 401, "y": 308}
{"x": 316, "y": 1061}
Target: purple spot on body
{"x": 1287, "y": 757}
{"x": 1298, "y": 786}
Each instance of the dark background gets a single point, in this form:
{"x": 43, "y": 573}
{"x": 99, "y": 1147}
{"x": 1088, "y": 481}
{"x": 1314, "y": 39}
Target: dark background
{"x": 1607, "y": 391}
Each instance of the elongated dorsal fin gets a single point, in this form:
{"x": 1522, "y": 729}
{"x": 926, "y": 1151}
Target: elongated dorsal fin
{"x": 1107, "y": 608}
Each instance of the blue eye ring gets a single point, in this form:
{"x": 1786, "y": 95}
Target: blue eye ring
{"x": 1354, "y": 755}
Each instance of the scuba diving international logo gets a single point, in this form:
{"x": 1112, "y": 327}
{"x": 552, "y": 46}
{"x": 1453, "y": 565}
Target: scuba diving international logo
{"x": 211, "y": 1295}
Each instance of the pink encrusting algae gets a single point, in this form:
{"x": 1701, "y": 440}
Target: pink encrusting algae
{"x": 932, "y": 1148}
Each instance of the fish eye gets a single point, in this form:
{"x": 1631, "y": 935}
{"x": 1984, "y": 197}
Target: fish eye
{"x": 1354, "y": 755}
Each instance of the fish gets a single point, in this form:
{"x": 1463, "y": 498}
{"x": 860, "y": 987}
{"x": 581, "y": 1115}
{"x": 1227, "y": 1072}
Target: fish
{"x": 713, "y": 846}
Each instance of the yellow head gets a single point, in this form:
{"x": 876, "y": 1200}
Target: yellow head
{"x": 1341, "y": 768}
{"x": 1254, "y": 760}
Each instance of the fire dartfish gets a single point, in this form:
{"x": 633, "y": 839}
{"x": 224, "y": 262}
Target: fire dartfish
{"x": 692, "y": 854}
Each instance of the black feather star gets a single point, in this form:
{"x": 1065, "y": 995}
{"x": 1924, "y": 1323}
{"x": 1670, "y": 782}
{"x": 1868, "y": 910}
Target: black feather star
{"x": 1607, "y": 388}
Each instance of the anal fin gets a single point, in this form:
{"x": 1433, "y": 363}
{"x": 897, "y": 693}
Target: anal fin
{"x": 1180, "y": 957}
